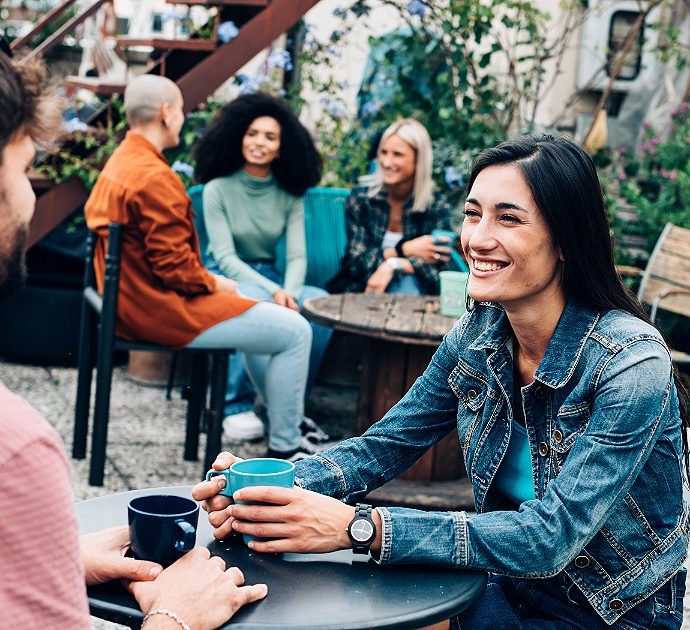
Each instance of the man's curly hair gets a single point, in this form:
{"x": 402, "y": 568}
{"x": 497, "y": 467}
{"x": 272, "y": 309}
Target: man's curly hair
{"x": 25, "y": 106}
{"x": 219, "y": 151}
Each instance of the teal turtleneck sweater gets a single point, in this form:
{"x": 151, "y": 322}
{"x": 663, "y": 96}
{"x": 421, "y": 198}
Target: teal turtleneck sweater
{"x": 245, "y": 217}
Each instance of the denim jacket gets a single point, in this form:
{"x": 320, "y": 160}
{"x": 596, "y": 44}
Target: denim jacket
{"x": 602, "y": 417}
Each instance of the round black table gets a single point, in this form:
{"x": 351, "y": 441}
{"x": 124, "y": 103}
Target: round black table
{"x": 333, "y": 591}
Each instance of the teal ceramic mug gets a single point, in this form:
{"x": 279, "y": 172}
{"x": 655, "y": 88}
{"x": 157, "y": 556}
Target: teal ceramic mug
{"x": 453, "y": 293}
{"x": 261, "y": 471}
{"x": 449, "y": 238}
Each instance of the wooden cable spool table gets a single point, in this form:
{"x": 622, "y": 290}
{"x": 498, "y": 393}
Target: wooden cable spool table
{"x": 401, "y": 334}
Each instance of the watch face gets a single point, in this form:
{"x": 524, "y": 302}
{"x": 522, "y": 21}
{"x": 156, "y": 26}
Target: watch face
{"x": 362, "y": 530}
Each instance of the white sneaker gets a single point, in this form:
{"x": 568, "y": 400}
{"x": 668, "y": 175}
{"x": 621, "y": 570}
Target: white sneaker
{"x": 245, "y": 426}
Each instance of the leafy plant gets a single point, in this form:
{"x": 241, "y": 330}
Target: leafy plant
{"x": 470, "y": 71}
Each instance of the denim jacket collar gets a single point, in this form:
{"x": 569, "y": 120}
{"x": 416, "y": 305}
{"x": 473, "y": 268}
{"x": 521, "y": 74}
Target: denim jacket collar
{"x": 564, "y": 350}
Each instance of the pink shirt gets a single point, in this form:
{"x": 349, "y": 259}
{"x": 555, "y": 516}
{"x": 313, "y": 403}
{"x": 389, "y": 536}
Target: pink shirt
{"x": 41, "y": 577}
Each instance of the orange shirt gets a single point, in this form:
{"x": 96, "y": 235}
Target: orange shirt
{"x": 166, "y": 295}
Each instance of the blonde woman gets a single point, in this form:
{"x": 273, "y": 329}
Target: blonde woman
{"x": 390, "y": 218}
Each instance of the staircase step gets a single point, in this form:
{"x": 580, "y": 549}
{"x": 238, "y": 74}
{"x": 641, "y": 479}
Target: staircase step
{"x": 223, "y": 3}
{"x": 204, "y": 45}
{"x": 97, "y": 85}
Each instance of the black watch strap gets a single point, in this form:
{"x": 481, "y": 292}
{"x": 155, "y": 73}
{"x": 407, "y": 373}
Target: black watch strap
{"x": 362, "y": 529}
{"x": 398, "y": 247}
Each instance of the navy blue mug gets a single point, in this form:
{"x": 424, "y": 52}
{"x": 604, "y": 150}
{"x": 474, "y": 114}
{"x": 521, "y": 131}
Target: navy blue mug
{"x": 162, "y": 527}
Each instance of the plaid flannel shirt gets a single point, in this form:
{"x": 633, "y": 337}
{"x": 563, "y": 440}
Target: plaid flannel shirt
{"x": 367, "y": 221}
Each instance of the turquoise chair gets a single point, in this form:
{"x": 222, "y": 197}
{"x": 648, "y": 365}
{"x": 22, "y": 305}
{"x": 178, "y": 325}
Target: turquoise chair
{"x": 324, "y": 233}
{"x": 196, "y": 194}
{"x": 324, "y": 227}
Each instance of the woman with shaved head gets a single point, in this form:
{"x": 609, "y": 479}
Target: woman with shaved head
{"x": 166, "y": 294}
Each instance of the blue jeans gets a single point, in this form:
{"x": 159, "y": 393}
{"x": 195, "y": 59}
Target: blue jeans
{"x": 557, "y": 604}
{"x": 405, "y": 284}
{"x": 275, "y": 342}
{"x": 240, "y": 393}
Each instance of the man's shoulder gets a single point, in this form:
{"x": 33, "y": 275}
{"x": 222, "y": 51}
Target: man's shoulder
{"x": 20, "y": 425}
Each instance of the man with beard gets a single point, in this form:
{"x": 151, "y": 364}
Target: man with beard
{"x": 43, "y": 563}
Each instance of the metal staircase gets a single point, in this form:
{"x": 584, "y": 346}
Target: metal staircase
{"x": 198, "y": 65}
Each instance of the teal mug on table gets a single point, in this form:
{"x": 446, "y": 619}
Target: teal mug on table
{"x": 261, "y": 471}
{"x": 453, "y": 293}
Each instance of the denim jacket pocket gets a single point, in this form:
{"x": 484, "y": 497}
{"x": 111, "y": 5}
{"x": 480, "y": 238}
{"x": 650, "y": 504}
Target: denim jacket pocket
{"x": 471, "y": 388}
{"x": 571, "y": 421}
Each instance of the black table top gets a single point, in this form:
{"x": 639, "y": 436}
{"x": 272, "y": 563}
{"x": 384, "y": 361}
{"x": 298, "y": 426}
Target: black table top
{"x": 327, "y": 591}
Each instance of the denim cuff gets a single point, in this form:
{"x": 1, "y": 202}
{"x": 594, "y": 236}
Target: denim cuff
{"x": 461, "y": 537}
{"x": 386, "y": 536}
{"x": 415, "y": 536}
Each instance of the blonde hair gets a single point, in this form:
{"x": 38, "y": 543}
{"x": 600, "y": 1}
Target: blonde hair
{"x": 415, "y": 134}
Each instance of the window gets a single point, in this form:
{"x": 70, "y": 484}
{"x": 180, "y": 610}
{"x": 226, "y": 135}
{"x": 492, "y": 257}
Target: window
{"x": 157, "y": 22}
{"x": 621, "y": 24}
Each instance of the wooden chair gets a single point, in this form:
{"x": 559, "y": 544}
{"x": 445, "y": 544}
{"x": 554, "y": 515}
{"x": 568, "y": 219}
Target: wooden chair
{"x": 100, "y": 312}
{"x": 666, "y": 279}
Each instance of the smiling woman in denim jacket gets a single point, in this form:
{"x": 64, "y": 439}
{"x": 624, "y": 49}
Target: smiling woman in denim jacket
{"x": 567, "y": 410}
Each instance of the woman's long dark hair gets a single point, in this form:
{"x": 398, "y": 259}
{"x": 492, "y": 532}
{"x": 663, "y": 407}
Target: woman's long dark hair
{"x": 219, "y": 151}
{"x": 566, "y": 189}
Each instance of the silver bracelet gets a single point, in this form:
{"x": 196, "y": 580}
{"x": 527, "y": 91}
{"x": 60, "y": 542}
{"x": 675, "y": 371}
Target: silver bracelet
{"x": 168, "y": 613}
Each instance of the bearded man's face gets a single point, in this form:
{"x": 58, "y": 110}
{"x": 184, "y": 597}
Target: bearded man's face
{"x": 17, "y": 201}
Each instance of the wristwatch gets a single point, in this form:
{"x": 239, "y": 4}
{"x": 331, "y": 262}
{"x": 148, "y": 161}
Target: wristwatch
{"x": 394, "y": 263}
{"x": 362, "y": 529}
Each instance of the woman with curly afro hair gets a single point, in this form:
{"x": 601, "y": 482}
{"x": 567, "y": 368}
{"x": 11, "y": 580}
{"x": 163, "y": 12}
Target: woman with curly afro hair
{"x": 257, "y": 160}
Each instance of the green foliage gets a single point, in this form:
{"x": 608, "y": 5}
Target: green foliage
{"x": 441, "y": 68}
{"x": 83, "y": 153}
{"x": 657, "y": 180}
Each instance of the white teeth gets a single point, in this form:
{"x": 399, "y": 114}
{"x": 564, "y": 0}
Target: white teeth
{"x": 487, "y": 266}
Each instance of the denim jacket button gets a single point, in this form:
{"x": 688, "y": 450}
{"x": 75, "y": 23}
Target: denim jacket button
{"x": 472, "y": 394}
{"x": 543, "y": 449}
{"x": 615, "y": 604}
{"x": 557, "y": 436}
{"x": 581, "y": 562}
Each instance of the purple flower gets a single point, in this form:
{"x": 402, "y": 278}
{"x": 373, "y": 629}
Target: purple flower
{"x": 646, "y": 125}
{"x": 360, "y": 8}
{"x": 183, "y": 168}
{"x": 336, "y": 108}
{"x": 670, "y": 175}
{"x": 654, "y": 140}
{"x": 227, "y": 31}
{"x": 417, "y": 7}
{"x": 280, "y": 58}
{"x": 248, "y": 84}
{"x": 454, "y": 177}
{"x": 74, "y": 124}
{"x": 371, "y": 108}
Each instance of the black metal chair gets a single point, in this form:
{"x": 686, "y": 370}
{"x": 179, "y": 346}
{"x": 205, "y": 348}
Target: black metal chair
{"x": 101, "y": 312}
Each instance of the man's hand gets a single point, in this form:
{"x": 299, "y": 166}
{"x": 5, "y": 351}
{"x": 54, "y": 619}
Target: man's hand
{"x": 198, "y": 589}
{"x": 225, "y": 285}
{"x": 283, "y": 298}
{"x": 379, "y": 280}
{"x": 103, "y": 556}
{"x": 214, "y": 503}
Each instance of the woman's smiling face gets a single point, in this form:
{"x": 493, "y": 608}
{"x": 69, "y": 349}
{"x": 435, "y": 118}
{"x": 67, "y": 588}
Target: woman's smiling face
{"x": 261, "y": 141}
{"x": 506, "y": 241}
